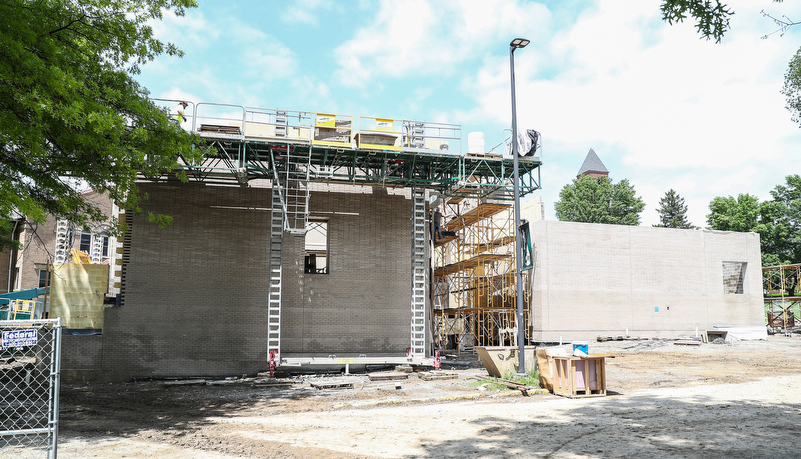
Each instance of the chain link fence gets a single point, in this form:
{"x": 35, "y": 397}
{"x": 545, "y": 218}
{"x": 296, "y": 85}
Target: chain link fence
{"x": 30, "y": 356}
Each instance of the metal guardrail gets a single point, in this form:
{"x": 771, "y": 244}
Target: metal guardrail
{"x": 318, "y": 128}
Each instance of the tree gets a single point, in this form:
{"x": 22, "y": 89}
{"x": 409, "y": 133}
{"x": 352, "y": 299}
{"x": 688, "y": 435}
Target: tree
{"x": 713, "y": 22}
{"x": 673, "y": 212}
{"x": 788, "y": 199}
{"x": 71, "y": 114}
{"x": 792, "y": 87}
{"x": 712, "y": 17}
{"x": 746, "y": 213}
{"x": 598, "y": 200}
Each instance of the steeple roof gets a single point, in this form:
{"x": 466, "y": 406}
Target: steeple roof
{"x": 592, "y": 164}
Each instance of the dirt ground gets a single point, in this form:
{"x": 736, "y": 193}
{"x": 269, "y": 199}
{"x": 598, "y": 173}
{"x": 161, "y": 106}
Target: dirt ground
{"x": 741, "y": 399}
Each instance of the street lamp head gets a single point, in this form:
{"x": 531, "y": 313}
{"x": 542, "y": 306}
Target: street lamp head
{"x": 519, "y": 43}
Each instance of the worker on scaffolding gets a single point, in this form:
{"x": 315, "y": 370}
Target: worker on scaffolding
{"x": 179, "y": 117}
{"x": 437, "y": 224}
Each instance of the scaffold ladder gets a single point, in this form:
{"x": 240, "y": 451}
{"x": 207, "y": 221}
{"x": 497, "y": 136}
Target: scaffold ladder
{"x": 275, "y": 267}
{"x": 97, "y": 248}
{"x": 418, "y": 335}
{"x": 297, "y": 189}
{"x": 62, "y": 230}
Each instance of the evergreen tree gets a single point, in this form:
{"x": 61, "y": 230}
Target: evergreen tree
{"x": 673, "y": 212}
{"x": 599, "y": 200}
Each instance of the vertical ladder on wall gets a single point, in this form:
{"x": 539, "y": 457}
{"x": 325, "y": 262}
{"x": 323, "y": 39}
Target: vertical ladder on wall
{"x": 62, "y": 229}
{"x": 274, "y": 291}
{"x": 418, "y": 335}
{"x": 298, "y": 165}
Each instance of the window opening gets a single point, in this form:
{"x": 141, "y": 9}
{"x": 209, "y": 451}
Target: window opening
{"x": 42, "y": 278}
{"x": 734, "y": 277}
{"x": 105, "y": 245}
{"x": 86, "y": 243}
{"x": 316, "y": 247}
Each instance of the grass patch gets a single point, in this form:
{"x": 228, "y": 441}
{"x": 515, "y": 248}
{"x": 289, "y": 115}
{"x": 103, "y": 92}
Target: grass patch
{"x": 531, "y": 379}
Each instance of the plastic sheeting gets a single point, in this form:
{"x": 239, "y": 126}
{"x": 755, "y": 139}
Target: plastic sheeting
{"x": 743, "y": 332}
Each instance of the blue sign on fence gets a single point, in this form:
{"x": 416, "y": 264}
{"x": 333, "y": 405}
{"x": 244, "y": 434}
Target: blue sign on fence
{"x": 17, "y": 338}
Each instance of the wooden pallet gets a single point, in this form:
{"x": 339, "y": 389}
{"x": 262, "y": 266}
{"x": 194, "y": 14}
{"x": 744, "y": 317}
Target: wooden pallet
{"x": 387, "y": 376}
{"x": 272, "y": 382}
{"x": 437, "y": 375}
{"x": 622, "y": 338}
{"x": 332, "y": 384}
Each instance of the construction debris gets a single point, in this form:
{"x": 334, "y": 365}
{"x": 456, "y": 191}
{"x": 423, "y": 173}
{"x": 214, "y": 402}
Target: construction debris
{"x": 622, "y": 338}
{"x": 395, "y": 386}
{"x": 273, "y": 382}
{"x": 185, "y": 382}
{"x": 332, "y": 384}
{"x": 437, "y": 375}
{"x": 387, "y": 376}
{"x": 514, "y": 385}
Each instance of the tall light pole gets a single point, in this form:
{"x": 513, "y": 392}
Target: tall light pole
{"x": 521, "y": 335}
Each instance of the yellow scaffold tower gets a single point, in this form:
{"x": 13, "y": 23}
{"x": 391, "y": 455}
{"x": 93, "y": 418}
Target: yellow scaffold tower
{"x": 475, "y": 297}
{"x": 782, "y": 297}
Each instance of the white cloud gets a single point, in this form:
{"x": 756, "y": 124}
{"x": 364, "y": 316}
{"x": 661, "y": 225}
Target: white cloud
{"x": 190, "y": 31}
{"x": 429, "y": 38}
{"x": 667, "y": 109}
{"x": 304, "y": 11}
{"x": 269, "y": 61}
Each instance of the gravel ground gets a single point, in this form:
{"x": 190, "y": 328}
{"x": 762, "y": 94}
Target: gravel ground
{"x": 739, "y": 399}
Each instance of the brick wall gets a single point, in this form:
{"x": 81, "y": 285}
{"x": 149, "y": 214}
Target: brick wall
{"x": 592, "y": 280}
{"x": 196, "y": 291}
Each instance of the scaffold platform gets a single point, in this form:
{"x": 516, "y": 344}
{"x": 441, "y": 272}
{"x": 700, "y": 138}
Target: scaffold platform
{"x": 246, "y": 143}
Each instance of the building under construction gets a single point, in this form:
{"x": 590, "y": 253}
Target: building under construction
{"x": 302, "y": 238}
{"x": 474, "y": 282}
{"x": 782, "y": 297}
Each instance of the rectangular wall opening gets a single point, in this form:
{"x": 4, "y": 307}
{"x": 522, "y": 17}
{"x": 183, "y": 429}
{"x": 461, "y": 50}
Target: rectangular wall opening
{"x": 734, "y": 277}
{"x": 316, "y": 250}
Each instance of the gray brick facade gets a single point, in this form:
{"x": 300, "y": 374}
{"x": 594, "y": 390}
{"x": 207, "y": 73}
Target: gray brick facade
{"x": 196, "y": 291}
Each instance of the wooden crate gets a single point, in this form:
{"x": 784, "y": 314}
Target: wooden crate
{"x": 580, "y": 376}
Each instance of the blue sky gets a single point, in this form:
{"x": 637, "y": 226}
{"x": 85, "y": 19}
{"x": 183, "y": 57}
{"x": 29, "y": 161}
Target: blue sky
{"x": 660, "y": 106}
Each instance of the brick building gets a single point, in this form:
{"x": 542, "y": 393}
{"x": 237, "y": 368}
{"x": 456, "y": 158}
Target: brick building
{"x": 304, "y": 235}
{"x": 195, "y": 293}
{"x": 592, "y": 166}
{"x": 50, "y": 242}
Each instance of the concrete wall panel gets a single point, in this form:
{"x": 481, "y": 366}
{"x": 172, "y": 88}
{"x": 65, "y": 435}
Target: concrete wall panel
{"x": 592, "y": 280}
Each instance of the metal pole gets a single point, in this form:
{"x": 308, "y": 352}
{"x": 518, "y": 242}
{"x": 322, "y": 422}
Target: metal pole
{"x": 521, "y": 336}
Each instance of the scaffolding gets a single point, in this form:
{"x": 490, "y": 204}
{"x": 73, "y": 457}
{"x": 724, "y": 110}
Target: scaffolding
{"x": 782, "y": 297}
{"x": 292, "y": 149}
{"x": 474, "y": 292}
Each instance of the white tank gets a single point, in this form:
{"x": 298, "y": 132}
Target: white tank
{"x": 475, "y": 143}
